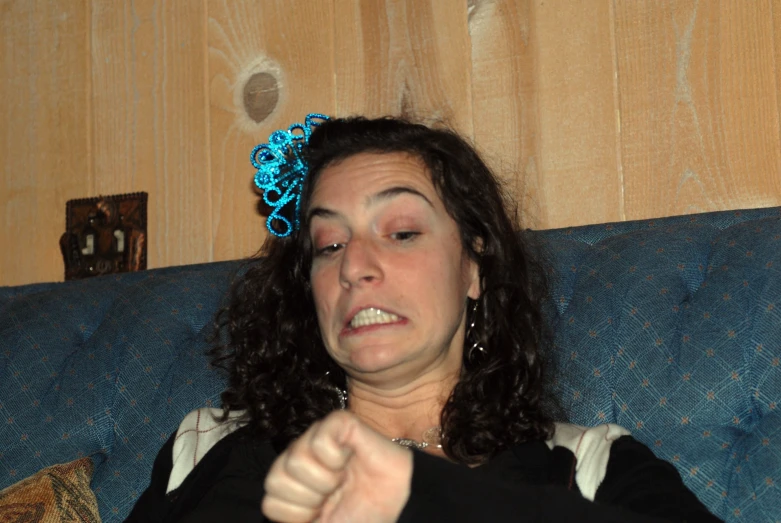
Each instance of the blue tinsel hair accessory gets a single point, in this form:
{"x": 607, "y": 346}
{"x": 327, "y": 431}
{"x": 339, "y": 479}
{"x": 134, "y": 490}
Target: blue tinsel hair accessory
{"x": 281, "y": 169}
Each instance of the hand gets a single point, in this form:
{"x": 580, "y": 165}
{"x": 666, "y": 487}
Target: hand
{"x": 339, "y": 470}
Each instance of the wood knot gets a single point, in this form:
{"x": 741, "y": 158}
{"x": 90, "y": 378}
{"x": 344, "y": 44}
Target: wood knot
{"x": 261, "y": 94}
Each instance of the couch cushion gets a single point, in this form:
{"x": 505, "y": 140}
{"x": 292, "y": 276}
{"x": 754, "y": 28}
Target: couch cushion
{"x": 674, "y": 333}
{"x": 59, "y": 493}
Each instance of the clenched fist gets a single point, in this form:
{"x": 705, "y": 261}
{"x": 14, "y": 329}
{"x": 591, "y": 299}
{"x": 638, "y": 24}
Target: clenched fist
{"x": 339, "y": 470}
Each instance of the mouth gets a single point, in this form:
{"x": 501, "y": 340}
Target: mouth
{"x": 371, "y": 317}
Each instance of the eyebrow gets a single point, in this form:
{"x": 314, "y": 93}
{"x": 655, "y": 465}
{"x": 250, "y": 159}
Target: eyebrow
{"x": 384, "y": 195}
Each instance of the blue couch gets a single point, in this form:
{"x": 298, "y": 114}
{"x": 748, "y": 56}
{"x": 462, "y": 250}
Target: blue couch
{"x": 670, "y": 327}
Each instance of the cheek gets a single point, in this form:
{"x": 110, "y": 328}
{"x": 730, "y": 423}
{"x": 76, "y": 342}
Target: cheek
{"x": 322, "y": 289}
{"x": 439, "y": 279}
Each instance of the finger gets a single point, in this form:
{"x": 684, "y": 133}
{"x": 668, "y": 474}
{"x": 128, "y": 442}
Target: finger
{"x": 298, "y": 474}
{"x": 302, "y": 465}
{"x": 326, "y": 441}
{"x": 312, "y": 468}
{"x": 282, "y": 486}
{"x": 355, "y": 437}
{"x": 284, "y": 512}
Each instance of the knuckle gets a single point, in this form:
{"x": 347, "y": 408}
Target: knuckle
{"x": 338, "y": 418}
{"x": 319, "y": 445}
{"x": 296, "y": 464}
{"x": 274, "y": 482}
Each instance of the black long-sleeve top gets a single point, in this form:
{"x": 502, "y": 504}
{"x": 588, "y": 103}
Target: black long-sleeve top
{"x": 528, "y": 483}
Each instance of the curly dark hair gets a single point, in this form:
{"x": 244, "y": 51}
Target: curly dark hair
{"x": 278, "y": 368}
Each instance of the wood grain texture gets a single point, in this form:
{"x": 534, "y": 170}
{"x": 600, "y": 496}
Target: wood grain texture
{"x": 150, "y": 123}
{"x": 590, "y": 111}
{"x": 292, "y": 42}
{"x": 43, "y": 132}
{"x": 775, "y": 7}
{"x": 580, "y": 180}
{"x": 504, "y": 98}
{"x": 404, "y": 57}
{"x": 698, "y": 105}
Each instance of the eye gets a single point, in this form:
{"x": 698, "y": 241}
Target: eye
{"x": 328, "y": 249}
{"x": 404, "y": 236}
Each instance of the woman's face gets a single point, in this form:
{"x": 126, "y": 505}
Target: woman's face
{"x": 389, "y": 275}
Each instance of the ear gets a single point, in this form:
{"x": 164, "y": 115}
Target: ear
{"x": 475, "y": 286}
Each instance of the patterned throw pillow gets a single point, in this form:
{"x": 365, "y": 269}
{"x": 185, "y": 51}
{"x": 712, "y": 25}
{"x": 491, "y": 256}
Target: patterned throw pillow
{"x": 51, "y": 495}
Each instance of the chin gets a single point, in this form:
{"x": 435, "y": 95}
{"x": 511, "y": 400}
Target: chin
{"x": 374, "y": 359}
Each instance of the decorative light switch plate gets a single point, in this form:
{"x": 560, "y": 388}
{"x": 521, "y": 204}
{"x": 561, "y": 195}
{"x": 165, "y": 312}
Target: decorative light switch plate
{"x": 104, "y": 235}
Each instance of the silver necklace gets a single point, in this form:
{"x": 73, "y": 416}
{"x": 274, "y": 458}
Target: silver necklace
{"x": 431, "y": 438}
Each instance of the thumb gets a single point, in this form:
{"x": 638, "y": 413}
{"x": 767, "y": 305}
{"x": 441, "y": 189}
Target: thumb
{"x": 333, "y": 441}
{"x": 356, "y": 439}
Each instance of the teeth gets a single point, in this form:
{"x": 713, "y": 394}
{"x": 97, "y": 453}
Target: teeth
{"x": 372, "y": 316}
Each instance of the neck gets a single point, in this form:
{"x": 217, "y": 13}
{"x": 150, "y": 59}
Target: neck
{"x": 403, "y": 412}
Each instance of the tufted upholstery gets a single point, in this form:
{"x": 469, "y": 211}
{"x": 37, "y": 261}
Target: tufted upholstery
{"x": 671, "y": 328}
{"x": 106, "y": 368}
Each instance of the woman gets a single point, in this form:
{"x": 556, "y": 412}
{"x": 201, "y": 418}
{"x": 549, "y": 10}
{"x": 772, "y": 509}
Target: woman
{"x": 394, "y": 309}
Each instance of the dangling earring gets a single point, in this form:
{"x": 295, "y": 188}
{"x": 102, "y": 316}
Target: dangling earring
{"x": 341, "y": 393}
{"x": 470, "y": 331}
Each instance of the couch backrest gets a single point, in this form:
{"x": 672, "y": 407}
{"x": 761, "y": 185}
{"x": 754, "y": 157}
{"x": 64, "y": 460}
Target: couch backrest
{"x": 670, "y": 328}
{"x": 105, "y": 367}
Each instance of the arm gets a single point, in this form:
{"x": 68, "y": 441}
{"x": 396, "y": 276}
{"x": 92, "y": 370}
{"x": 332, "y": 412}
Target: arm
{"x": 638, "y": 487}
{"x": 444, "y": 491}
{"x": 639, "y": 481}
{"x": 342, "y": 470}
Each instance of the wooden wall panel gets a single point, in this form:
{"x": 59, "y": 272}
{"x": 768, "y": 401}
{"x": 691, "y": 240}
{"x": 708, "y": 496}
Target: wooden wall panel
{"x": 591, "y": 111}
{"x": 409, "y": 57}
{"x": 150, "y": 120}
{"x": 775, "y": 7}
{"x": 43, "y": 132}
{"x": 504, "y": 97}
{"x": 699, "y": 106}
{"x": 270, "y": 64}
{"x": 577, "y": 132}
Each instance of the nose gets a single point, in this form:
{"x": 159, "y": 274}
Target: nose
{"x": 360, "y": 263}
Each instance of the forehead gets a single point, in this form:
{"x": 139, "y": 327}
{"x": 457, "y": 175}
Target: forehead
{"x": 365, "y": 174}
